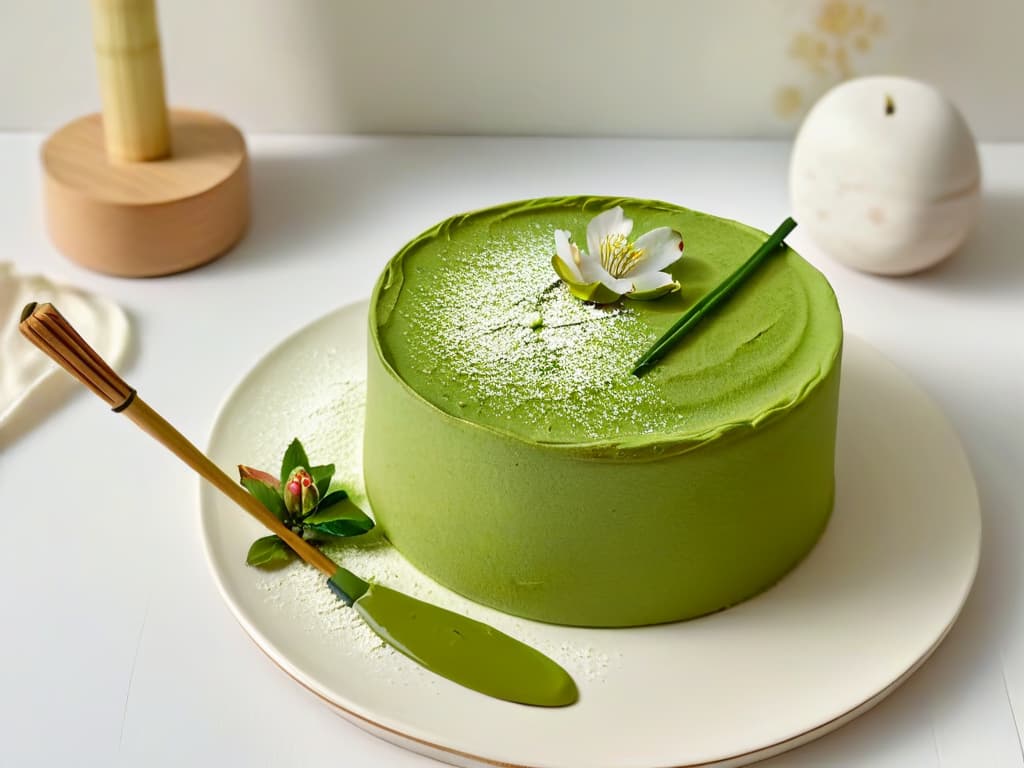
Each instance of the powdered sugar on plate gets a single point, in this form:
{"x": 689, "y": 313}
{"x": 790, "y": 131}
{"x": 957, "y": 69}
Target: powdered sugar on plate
{"x": 328, "y": 415}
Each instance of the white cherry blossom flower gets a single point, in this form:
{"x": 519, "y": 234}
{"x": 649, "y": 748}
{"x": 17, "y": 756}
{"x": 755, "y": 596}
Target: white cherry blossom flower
{"x": 613, "y": 266}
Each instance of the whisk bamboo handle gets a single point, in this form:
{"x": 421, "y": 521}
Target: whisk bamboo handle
{"x": 47, "y": 328}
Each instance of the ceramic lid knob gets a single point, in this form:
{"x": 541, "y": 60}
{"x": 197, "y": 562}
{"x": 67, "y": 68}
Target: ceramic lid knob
{"x": 885, "y": 175}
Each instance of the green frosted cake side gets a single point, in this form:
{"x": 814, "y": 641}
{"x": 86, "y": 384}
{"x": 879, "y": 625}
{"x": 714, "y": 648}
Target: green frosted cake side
{"x": 511, "y": 455}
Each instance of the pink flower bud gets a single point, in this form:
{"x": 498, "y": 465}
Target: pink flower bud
{"x": 300, "y": 494}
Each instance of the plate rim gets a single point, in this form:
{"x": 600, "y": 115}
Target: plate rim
{"x": 418, "y": 743}
{"x": 415, "y": 744}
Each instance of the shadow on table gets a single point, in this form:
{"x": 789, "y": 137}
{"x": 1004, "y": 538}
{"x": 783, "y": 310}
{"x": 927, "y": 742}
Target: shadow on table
{"x": 991, "y": 260}
{"x": 319, "y": 194}
{"x": 309, "y": 197}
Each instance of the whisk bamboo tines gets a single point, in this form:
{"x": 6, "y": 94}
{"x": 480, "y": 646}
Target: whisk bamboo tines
{"x": 47, "y": 328}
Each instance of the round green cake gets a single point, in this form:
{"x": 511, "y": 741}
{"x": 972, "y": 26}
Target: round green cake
{"x": 511, "y": 455}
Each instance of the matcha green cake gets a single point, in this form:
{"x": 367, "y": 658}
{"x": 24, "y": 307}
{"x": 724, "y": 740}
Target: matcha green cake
{"x": 511, "y": 455}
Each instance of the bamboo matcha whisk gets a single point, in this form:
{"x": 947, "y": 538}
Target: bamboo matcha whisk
{"x": 449, "y": 644}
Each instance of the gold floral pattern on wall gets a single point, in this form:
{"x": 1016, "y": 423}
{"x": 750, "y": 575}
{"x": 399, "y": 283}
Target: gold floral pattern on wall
{"x": 841, "y": 32}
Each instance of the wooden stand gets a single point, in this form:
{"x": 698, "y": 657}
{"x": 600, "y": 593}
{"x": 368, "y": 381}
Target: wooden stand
{"x": 142, "y": 191}
{"x": 140, "y": 219}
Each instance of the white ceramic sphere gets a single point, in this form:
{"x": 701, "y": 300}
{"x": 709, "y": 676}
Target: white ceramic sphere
{"x": 885, "y": 175}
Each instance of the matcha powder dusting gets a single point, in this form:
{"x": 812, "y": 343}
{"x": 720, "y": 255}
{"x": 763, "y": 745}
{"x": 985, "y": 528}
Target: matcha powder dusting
{"x": 508, "y": 337}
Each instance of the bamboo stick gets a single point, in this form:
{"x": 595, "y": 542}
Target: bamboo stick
{"x": 127, "y": 44}
{"x": 159, "y": 429}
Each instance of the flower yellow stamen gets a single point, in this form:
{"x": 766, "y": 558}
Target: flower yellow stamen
{"x": 619, "y": 256}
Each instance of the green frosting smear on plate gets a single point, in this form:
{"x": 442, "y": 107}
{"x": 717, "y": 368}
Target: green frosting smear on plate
{"x": 472, "y": 317}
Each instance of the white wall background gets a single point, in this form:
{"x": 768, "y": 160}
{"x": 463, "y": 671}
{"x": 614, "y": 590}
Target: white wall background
{"x": 595, "y": 67}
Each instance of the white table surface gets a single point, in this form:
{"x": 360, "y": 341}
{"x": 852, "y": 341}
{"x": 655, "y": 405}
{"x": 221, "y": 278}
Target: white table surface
{"x": 116, "y": 648}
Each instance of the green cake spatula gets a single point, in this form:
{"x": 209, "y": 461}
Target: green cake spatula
{"x": 461, "y": 649}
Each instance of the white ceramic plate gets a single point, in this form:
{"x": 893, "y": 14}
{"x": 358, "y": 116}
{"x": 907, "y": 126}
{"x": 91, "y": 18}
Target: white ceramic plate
{"x": 859, "y": 615}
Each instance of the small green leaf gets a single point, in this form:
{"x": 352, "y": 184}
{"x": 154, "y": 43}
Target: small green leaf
{"x": 342, "y": 528}
{"x": 294, "y": 457}
{"x": 596, "y": 293}
{"x": 266, "y": 496}
{"x": 331, "y": 499}
{"x": 340, "y": 510}
{"x": 339, "y": 518}
{"x": 561, "y": 269}
{"x": 258, "y": 474}
{"x": 654, "y": 293}
{"x": 322, "y": 477}
{"x": 269, "y": 552}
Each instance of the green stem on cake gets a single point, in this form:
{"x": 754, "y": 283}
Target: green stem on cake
{"x": 710, "y": 301}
